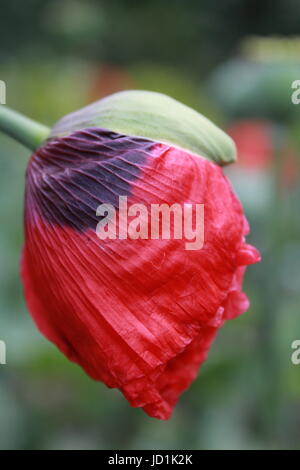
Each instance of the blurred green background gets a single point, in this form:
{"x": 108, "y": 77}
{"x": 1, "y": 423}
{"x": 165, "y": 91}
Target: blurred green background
{"x": 234, "y": 61}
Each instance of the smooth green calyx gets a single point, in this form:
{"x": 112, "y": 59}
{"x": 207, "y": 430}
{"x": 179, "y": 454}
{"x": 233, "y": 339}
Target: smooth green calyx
{"x": 154, "y": 116}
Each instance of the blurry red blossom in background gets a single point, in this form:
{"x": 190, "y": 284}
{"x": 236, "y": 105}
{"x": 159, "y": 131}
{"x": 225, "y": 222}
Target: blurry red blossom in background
{"x": 253, "y": 139}
{"x": 107, "y": 79}
{"x": 257, "y": 152}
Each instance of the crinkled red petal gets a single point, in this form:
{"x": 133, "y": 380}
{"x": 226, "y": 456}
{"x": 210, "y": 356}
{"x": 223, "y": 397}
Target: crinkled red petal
{"x": 139, "y": 315}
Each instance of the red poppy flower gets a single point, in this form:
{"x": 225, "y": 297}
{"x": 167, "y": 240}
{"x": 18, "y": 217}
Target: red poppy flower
{"x": 137, "y": 314}
{"x": 256, "y": 150}
{"x": 107, "y": 79}
{"x": 253, "y": 139}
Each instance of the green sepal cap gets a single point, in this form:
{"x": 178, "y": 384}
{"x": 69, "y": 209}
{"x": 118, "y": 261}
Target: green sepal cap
{"x": 154, "y": 116}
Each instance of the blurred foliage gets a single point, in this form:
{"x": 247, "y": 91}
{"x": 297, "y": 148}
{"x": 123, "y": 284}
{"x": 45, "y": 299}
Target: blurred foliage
{"x": 56, "y": 56}
{"x": 251, "y": 88}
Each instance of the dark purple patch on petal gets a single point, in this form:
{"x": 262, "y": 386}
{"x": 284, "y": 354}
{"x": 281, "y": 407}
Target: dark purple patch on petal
{"x": 69, "y": 177}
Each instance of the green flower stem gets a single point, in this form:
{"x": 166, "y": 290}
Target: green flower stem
{"x": 24, "y": 130}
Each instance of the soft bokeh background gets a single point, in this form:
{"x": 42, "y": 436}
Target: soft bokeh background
{"x": 234, "y": 61}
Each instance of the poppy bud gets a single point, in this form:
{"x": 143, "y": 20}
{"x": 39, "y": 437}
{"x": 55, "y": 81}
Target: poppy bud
{"x": 137, "y": 313}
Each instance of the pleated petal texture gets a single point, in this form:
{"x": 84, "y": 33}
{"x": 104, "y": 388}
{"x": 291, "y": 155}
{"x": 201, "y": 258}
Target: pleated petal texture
{"x": 137, "y": 314}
